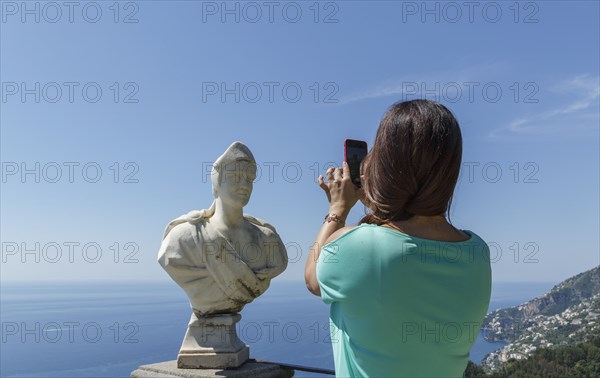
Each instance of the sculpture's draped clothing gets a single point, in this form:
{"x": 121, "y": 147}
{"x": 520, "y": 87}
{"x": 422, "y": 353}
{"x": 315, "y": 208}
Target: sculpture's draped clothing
{"x": 210, "y": 270}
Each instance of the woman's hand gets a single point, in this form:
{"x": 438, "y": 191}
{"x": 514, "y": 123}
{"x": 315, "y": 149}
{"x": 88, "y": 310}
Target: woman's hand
{"x": 341, "y": 193}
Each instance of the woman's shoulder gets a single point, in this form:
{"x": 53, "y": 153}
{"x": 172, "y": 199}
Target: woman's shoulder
{"x": 347, "y": 232}
{"x": 473, "y": 237}
{"x": 367, "y": 230}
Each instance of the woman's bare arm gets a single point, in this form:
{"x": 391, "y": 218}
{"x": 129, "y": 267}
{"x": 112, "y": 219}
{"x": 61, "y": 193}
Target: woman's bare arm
{"x": 329, "y": 232}
{"x": 342, "y": 195}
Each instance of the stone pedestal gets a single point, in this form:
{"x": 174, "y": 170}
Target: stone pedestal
{"x": 211, "y": 342}
{"x": 169, "y": 369}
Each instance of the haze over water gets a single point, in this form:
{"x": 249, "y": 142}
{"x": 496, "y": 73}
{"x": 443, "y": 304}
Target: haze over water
{"x": 109, "y": 329}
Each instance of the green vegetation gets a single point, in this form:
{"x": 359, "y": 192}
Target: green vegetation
{"x": 574, "y": 361}
{"x": 554, "y": 335}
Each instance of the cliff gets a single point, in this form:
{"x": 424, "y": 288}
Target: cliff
{"x": 566, "y": 315}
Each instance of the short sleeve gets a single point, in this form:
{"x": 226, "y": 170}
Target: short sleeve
{"x": 330, "y": 273}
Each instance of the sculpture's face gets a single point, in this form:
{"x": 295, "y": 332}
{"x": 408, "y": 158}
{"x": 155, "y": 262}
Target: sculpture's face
{"x": 237, "y": 180}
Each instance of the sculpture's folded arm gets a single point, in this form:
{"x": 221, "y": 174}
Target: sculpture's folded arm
{"x": 235, "y": 278}
{"x": 209, "y": 269}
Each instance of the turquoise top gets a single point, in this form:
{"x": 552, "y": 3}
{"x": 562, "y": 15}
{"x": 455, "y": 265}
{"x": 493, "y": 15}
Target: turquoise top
{"x": 403, "y": 306}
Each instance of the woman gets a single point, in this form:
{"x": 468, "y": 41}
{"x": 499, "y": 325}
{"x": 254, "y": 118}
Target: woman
{"x": 408, "y": 291}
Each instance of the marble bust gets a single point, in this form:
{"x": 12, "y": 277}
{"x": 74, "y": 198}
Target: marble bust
{"x": 222, "y": 258}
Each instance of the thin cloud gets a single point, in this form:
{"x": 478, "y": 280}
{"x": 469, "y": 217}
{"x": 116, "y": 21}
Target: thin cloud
{"x": 579, "y": 115}
{"x": 398, "y": 87}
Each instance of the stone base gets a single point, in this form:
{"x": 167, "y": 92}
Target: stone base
{"x": 213, "y": 360}
{"x": 169, "y": 369}
{"x": 211, "y": 342}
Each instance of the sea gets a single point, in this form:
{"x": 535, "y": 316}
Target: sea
{"x": 108, "y": 329}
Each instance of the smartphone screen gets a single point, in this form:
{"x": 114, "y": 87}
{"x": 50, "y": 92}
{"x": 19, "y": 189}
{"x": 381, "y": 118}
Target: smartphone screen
{"x": 354, "y": 152}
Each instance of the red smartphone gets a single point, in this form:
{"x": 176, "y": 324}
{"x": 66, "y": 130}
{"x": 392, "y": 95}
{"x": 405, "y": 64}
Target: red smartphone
{"x": 354, "y": 153}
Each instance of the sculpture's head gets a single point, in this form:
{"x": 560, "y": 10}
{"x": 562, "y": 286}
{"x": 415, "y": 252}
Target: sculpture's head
{"x": 233, "y": 175}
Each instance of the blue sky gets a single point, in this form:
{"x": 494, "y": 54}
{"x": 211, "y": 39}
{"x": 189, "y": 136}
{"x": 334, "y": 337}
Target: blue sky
{"x": 522, "y": 79}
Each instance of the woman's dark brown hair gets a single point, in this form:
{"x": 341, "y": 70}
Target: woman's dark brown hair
{"x": 414, "y": 164}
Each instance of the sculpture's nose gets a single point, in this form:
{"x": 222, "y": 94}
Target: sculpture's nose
{"x": 244, "y": 190}
{"x": 246, "y": 184}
